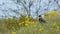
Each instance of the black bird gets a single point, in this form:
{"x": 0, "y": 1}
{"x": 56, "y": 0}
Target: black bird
{"x": 41, "y": 19}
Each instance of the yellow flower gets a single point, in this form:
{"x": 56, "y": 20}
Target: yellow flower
{"x": 26, "y": 24}
{"x": 29, "y": 23}
{"x": 13, "y": 32}
{"x": 26, "y": 17}
{"x": 26, "y": 21}
{"x": 20, "y": 23}
{"x": 50, "y": 15}
{"x": 41, "y": 29}
{"x": 53, "y": 13}
{"x": 30, "y": 17}
{"x": 57, "y": 27}
{"x": 32, "y": 22}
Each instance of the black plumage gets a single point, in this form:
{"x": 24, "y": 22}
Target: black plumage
{"x": 41, "y": 19}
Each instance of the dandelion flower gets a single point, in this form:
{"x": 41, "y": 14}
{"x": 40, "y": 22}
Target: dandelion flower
{"x": 26, "y": 24}
{"x": 20, "y": 23}
{"x": 13, "y": 32}
{"x": 41, "y": 29}
{"x": 27, "y": 21}
{"x": 33, "y": 22}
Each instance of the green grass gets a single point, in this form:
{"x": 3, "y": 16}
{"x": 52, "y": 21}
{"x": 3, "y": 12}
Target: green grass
{"x": 51, "y": 27}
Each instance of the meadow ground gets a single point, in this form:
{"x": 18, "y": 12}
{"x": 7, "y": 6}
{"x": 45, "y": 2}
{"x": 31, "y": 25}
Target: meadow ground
{"x": 29, "y": 26}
